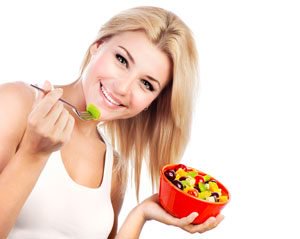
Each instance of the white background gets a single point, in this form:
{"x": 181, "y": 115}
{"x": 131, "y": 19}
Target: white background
{"x": 246, "y": 129}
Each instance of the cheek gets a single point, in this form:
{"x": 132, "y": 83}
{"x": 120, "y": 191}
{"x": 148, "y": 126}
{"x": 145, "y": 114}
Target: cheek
{"x": 102, "y": 66}
{"x": 141, "y": 101}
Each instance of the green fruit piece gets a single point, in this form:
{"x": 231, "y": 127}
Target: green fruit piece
{"x": 192, "y": 174}
{"x": 202, "y": 187}
{"x": 185, "y": 184}
{"x": 191, "y": 181}
{"x": 93, "y": 110}
{"x": 206, "y": 178}
{"x": 204, "y": 195}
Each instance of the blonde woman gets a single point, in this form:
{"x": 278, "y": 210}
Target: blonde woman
{"x": 62, "y": 177}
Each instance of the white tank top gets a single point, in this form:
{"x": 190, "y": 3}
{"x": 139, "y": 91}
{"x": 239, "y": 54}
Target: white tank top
{"x": 59, "y": 208}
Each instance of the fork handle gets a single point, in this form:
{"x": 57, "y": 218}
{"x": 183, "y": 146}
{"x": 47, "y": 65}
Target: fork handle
{"x": 45, "y": 92}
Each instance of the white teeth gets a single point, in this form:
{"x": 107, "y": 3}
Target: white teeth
{"x": 108, "y": 97}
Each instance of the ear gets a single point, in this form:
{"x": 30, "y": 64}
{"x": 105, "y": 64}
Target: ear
{"x": 95, "y": 47}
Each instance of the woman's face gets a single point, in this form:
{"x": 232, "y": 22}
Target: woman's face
{"x": 125, "y": 74}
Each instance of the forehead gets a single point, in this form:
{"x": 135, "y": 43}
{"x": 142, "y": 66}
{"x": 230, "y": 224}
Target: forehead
{"x": 148, "y": 58}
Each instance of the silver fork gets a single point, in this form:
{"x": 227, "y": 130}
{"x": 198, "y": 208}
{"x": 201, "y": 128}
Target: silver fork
{"x": 83, "y": 115}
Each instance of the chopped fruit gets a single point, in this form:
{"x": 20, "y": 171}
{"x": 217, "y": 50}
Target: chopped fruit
{"x": 178, "y": 184}
{"x": 199, "y": 179}
{"x": 170, "y": 174}
{"x": 193, "y": 192}
{"x": 202, "y": 187}
{"x": 94, "y": 111}
{"x": 211, "y": 199}
{"x": 223, "y": 198}
{"x": 195, "y": 183}
{"x": 213, "y": 186}
{"x": 182, "y": 166}
{"x": 206, "y": 178}
{"x": 185, "y": 184}
{"x": 192, "y": 174}
{"x": 204, "y": 195}
{"x": 180, "y": 173}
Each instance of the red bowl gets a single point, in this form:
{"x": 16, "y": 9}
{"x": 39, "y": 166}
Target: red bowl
{"x": 181, "y": 204}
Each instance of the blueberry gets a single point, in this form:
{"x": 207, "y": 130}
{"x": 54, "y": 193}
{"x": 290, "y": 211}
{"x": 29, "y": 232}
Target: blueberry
{"x": 170, "y": 174}
{"x": 215, "y": 194}
{"x": 178, "y": 184}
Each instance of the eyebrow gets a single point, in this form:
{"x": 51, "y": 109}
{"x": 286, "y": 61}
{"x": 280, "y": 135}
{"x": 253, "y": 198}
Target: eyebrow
{"x": 152, "y": 79}
{"x": 131, "y": 59}
{"x": 128, "y": 54}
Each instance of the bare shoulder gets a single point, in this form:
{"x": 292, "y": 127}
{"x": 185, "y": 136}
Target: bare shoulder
{"x": 16, "y": 100}
{"x": 17, "y": 89}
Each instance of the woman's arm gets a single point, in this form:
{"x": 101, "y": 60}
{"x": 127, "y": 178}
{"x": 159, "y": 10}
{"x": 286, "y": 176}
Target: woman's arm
{"x": 16, "y": 170}
{"x": 132, "y": 227}
{"x": 150, "y": 209}
{"x": 27, "y": 139}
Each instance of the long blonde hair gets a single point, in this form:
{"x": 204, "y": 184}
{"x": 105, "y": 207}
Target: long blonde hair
{"x": 160, "y": 134}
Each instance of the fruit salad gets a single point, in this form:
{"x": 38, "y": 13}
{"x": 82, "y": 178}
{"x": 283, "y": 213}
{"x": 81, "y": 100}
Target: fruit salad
{"x": 195, "y": 183}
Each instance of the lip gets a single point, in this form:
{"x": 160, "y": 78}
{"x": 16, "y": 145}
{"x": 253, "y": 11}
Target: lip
{"x": 109, "y": 98}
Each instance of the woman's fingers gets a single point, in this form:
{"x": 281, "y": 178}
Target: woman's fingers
{"x": 64, "y": 124}
{"x": 69, "y": 127}
{"x": 54, "y": 114}
{"x": 209, "y": 224}
{"x": 45, "y": 105}
{"x": 182, "y": 222}
{"x": 212, "y": 222}
{"x": 219, "y": 219}
{"x": 60, "y": 120}
{"x": 47, "y": 87}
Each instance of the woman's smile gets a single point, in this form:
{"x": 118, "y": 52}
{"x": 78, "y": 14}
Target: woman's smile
{"x": 110, "y": 100}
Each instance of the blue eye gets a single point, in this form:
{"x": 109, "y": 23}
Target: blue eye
{"x": 148, "y": 85}
{"x": 122, "y": 60}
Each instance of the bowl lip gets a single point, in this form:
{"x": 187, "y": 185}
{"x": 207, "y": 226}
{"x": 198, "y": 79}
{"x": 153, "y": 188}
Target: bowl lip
{"x": 197, "y": 199}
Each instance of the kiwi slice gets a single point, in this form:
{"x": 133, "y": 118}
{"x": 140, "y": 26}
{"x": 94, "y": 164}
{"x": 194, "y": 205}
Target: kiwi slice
{"x": 93, "y": 110}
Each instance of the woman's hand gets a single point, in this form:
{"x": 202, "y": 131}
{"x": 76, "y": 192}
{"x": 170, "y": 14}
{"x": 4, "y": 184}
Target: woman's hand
{"x": 49, "y": 124}
{"x": 153, "y": 211}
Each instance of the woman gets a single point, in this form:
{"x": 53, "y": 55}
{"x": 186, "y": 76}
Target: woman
{"x": 60, "y": 177}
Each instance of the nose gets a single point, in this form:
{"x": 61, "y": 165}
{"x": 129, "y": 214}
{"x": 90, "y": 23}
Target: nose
{"x": 124, "y": 85}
